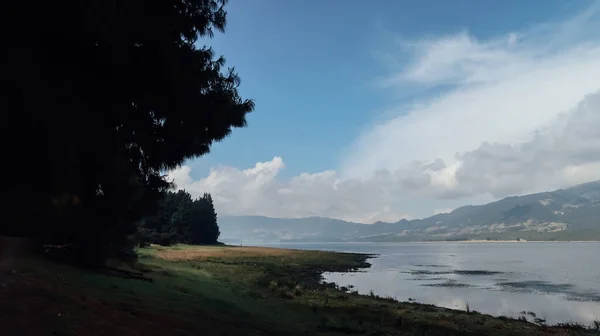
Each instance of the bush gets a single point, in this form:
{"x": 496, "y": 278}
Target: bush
{"x": 254, "y": 294}
{"x": 298, "y": 290}
{"x": 273, "y": 285}
{"x": 285, "y": 294}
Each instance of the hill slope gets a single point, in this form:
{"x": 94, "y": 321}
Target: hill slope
{"x": 565, "y": 214}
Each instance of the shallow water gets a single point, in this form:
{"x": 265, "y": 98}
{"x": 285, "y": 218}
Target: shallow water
{"x": 559, "y": 282}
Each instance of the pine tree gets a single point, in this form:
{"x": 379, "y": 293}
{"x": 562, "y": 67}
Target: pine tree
{"x": 180, "y": 215}
{"x": 110, "y": 95}
{"x": 210, "y": 228}
{"x": 204, "y": 229}
{"x": 181, "y": 220}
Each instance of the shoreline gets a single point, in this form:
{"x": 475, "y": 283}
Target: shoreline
{"x": 480, "y": 241}
{"x": 230, "y": 290}
{"x": 303, "y": 284}
{"x": 475, "y": 241}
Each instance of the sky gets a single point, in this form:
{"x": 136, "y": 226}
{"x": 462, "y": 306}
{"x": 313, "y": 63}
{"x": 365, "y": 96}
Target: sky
{"x": 403, "y": 109}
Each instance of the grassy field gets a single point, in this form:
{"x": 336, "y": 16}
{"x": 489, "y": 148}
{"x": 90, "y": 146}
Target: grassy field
{"x": 222, "y": 290}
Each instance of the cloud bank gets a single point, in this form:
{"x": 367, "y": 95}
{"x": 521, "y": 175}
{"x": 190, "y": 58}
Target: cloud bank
{"x": 510, "y": 115}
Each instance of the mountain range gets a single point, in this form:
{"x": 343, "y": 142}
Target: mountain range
{"x": 565, "y": 214}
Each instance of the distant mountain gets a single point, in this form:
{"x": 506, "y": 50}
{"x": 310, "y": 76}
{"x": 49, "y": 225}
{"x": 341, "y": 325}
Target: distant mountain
{"x": 565, "y": 214}
{"x": 265, "y": 229}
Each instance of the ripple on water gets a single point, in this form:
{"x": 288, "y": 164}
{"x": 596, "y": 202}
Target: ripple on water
{"x": 535, "y": 285}
{"x": 544, "y": 287}
{"x": 583, "y": 297}
{"x": 476, "y": 272}
{"x": 422, "y": 278}
{"x": 449, "y": 283}
{"x": 458, "y": 272}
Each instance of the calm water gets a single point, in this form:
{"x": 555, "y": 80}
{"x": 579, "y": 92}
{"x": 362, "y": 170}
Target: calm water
{"x": 558, "y": 281}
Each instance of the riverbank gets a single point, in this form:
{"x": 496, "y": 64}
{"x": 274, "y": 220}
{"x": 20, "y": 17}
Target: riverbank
{"x": 225, "y": 290}
{"x": 514, "y": 241}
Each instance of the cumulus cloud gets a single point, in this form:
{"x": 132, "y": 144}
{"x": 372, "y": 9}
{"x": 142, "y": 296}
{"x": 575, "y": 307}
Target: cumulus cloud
{"x": 510, "y": 115}
{"x": 565, "y": 152}
{"x": 498, "y": 90}
{"x": 258, "y": 191}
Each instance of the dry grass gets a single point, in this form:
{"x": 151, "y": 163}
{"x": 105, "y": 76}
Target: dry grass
{"x": 202, "y": 252}
{"x": 225, "y": 290}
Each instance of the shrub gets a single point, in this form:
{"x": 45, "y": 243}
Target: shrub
{"x": 285, "y": 294}
{"x": 273, "y": 285}
{"x": 389, "y": 298}
{"x": 254, "y": 294}
{"x": 572, "y": 326}
{"x": 298, "y": 290}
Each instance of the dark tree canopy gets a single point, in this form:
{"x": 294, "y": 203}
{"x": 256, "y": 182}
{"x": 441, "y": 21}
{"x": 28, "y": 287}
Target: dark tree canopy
{"x": 100, "y": 98}
{"x": 180, "y": 219}
{"x": 206, "y": 229}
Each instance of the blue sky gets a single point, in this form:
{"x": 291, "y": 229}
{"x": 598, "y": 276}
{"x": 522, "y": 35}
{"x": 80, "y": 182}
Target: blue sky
{"x": 348, "y": 89}
{"x": 311, "y": 67}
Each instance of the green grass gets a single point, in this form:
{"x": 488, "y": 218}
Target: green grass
{"x": 185, "y": 290}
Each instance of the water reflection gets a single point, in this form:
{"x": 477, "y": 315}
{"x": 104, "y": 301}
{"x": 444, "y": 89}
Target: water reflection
{"x": 498, "y": 279}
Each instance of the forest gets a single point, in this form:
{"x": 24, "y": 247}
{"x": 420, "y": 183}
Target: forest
{"x": 180, "y": 219}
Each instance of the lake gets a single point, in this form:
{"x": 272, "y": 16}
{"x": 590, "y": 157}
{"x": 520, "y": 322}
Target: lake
{"x": 558, "y": 281}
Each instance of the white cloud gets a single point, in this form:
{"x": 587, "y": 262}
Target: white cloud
{"x": 565, "y": 153}
{"x": 503, "y": 101}
{"x": 258, "y": 191}
{"x": 442, "y": 211}
{"x": 496, "y": 91}
{"x": 513, "y": 114}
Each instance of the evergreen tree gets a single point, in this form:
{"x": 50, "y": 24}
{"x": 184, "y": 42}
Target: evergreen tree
{"x": 181, "y": 220}
{"x": 204, "y": 229}
{"x": 108, "y": 96}
{"x": 212, "y": 232}
{"x": 180, "y": 214}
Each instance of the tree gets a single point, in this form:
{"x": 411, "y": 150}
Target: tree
{"x": 179, "y": 213}
{"x": 109, "y": 95}
{"x": 204, "y": 228}
{"x": 181, "y": 220}
{"x": 170, "y": 224}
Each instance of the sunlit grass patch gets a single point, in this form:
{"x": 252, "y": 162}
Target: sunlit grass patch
{"x": 229, "y": 290}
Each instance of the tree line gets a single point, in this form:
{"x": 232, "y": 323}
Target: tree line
{"x": 181, "y": 219}
{"x": 108, "y": 97}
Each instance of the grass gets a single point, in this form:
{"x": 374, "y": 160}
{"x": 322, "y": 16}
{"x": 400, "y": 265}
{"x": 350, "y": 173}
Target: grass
{"x": 225, "y": 290}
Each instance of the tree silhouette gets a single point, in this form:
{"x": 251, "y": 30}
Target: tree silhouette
{"x": 181, "y": 220}
{"x": 204, "y": 228}
{"x": 102, "y": 97}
